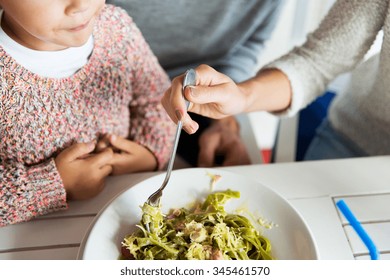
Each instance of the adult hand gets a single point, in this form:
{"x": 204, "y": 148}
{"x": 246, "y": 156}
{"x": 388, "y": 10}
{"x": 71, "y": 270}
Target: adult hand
{"x": 83, "y": 173}
{"x": 222, "y": 138}
{"x": 128, "y": 156}
{"x": 215, "y": 95}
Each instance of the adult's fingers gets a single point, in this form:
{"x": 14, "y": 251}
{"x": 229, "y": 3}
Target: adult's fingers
{"x": 208, "y": 76}
{"x": 189, "y": 125}
{"x": 174, "y": 103}
{"x": 199, "y": 95}
{"x": 173, "y": 100}
{"x": 215, "y": 94}
{"x": 211, "y": 87}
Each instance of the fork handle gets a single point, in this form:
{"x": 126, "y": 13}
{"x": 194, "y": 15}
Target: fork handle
{"x": 189, "y": 79}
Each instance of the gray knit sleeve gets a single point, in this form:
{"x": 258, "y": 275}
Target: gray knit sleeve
{"x": 337, "y": 46}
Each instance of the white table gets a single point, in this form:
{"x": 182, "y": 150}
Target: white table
{"x": 311, "y": 187}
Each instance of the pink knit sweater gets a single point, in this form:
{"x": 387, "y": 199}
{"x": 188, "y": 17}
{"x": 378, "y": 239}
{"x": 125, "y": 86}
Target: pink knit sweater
{"x": 118, "y": 91}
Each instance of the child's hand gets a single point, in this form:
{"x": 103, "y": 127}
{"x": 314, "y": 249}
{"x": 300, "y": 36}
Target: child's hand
{"x": 128, "y": 156}
{"x": 82, "y": 172}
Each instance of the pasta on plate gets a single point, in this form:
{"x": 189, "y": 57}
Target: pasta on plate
{"x": 203, "y": 232}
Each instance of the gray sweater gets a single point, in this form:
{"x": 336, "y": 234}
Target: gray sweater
{"x": 226, "y": 34}
{"x": 362, "y": 113}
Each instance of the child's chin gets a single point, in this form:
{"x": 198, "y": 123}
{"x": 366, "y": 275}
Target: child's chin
{"x": 79, "y": 42}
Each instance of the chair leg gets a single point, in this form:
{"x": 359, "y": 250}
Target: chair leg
{"x": 249, "y": 138}
{"x": 286, "y": 140}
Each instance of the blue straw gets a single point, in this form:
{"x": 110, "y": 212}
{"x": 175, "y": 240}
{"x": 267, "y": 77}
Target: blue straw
{"x": 374, "y": 254}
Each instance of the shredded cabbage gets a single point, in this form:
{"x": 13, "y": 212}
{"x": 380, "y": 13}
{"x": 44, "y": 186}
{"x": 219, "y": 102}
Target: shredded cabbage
{"x": 202, "y": 233}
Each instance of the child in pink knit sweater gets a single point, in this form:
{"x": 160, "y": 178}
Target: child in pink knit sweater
{"x": 71, "y": 73}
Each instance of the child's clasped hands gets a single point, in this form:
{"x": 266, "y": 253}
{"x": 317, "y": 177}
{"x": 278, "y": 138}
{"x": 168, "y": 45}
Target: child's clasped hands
{"x": 84, "y": 167}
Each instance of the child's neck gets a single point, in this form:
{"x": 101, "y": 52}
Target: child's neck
{"x": 51, "y": 64}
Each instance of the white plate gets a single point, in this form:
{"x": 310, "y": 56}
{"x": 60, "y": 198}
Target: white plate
{"x": 290, "y": 239}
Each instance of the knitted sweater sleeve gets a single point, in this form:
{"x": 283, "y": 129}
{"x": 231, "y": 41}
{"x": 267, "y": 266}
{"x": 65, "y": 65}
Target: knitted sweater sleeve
{"x": 28, "y": 192}
{"x": 150, "y": 125}
{"x": 337, "y": 46}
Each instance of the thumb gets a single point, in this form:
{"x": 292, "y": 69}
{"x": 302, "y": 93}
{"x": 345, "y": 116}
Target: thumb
{"x": 215, "y": 102}
{"x": 78, "y": 150}
{"x": 210, "y": 86}
{"x": 205, "y": 94}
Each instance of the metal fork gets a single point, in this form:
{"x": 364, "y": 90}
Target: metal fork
{"x": 154, "y": 198}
